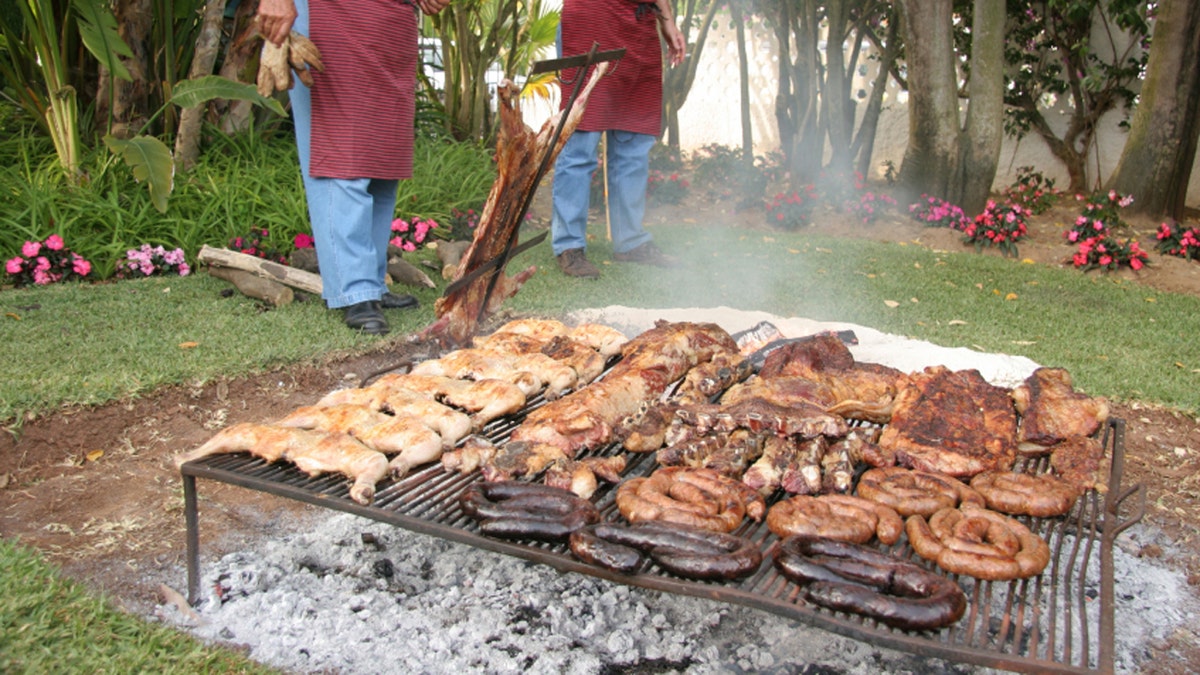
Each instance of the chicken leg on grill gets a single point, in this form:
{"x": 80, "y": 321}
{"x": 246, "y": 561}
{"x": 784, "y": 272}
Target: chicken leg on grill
{"x": 313, "y": 452}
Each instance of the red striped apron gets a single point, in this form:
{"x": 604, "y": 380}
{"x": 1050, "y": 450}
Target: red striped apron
{"x": 363, "y": 103}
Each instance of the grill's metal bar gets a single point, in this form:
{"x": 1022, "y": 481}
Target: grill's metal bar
{"x": 426, "y": 501}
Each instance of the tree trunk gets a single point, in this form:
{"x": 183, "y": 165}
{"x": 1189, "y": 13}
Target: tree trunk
{"x": 805, "y": 73}
{"x": 208, "y": 43}
{"x": 864, "y": 140}
{"x": 739, "y": 26}
{"x": 931, "y": 157}
{"x": 677, "y": 81}
{"x": 837, "y": 116}
{"x": 985, "y": 117}
{"x": 1156, "y": 163}
{"x": 129, "y": 101}
{"x": 240, "y": 65}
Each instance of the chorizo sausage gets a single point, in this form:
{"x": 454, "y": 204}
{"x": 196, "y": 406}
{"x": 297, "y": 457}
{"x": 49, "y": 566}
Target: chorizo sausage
{"x": 852, "y": 578}
{"x": 1023, "y": 494}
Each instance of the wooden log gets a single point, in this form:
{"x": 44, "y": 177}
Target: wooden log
{"x": 406, "y": 273}
{"x": 451, "y": 253}
{"x": 254, "y": 286}
{"x": 290, "y": 276}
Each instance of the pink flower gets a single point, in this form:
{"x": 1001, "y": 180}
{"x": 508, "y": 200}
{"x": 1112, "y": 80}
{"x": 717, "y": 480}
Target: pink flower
{"x": 1135, "y": 263}
{"x": 30, "y": 249}
{"x": 81, "y": 267}
{"x": 54, "y": 242}
{"x": 399, "y": 225}
{"x": 1105, "y": 259}
{"x": 184, "y": 270}
{"x": 14, "y": 265}
{"x": 41, "y": 278}
{"x": 43, "y": 263}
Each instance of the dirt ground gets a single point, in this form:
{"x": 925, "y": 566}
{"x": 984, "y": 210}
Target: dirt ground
{"x": 95, "y": 489}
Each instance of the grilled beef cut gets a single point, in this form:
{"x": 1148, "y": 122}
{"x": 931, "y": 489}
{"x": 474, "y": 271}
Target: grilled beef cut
{"x": 864, "y": 391}
{"x": 953, "y": 422}
{"x": 1051, "y": 410}
{"x": 1081, "y": 461}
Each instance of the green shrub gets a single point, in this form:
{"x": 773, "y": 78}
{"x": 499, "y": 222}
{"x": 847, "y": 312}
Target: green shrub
{"x": 242, "y": 183}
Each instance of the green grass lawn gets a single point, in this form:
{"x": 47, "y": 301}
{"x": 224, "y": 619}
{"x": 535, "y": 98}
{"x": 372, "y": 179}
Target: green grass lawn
{"x": 87, "y": 344}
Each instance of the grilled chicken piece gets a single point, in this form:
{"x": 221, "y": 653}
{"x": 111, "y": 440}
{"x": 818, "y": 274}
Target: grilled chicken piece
{"x": 485, "y": 399}
{"x": 539, "y": 329}
{"x": 587, "y": 362}
{"x": 558, "y": 376}
{"x": 604, "y": 339}
{"x": 508, "y": 342}
{"x": 472, "y": 454}
{"x": 525, "y": 350}
{"x": 1051, "y": 410}
{"x": 479, "y": 364}
{"x": 313, "y": 452}
{"x": 449, "y": 423}
{"x": 953, "y": 422}
{"x": 653, "y": 360}
{"x": 378, "y": 431}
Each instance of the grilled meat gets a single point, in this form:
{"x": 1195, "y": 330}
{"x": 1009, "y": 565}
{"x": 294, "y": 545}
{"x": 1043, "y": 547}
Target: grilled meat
{"x": 479, "y": 364}
{"x": 313, "y": 452}
{"x": 376, "y": 430}
{"x": 952, "y": 422}
{"x": 1081, "y": 461}
{"x": 864, "y": 391}
{"x": 1051, "y": 410}
{"x": 485, "y": 399}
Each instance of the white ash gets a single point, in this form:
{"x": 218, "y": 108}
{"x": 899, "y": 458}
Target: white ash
{"x": 317, "y": 598}
{"x": 311, "y": 595}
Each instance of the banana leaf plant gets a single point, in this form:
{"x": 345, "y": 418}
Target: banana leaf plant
{"x": 150, "y": 159}
{"x": 39, "y": 62}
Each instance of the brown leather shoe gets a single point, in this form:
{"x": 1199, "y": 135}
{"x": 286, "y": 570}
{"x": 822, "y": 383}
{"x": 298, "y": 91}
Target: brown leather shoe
{"x": 574, "y": 263}
{"x": 646, "y": 254}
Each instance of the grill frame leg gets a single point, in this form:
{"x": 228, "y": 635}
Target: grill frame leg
{"x": 192, "y": 517}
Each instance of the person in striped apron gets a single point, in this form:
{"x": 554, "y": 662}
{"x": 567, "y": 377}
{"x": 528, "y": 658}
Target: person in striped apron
{"x": 354, "y": 133}
{"x": 627, "y": 106}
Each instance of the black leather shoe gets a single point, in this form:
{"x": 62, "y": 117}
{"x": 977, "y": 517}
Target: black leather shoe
{"x": 392, "y": 301}
{"x": 367, "y": 317}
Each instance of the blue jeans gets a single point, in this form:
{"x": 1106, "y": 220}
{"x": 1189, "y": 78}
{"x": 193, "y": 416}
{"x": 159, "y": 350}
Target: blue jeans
{"x": 628, "y": 159}
{"x": 351, "y": 218}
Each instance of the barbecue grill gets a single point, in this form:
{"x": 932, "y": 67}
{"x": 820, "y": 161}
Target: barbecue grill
{"x": 1059, "y": 621}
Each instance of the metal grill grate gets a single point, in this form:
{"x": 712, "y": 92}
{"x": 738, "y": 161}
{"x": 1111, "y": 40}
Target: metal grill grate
{"x": 1059, "y": 621}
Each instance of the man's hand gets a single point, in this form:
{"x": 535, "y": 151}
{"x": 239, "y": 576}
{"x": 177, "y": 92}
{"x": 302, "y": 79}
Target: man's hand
{"x": 676, "y": 45}
{"x": 275, "y": 19}
{"x": 432, "y": 6}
